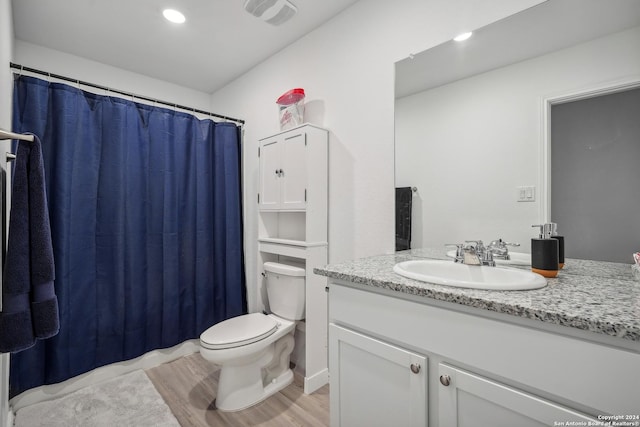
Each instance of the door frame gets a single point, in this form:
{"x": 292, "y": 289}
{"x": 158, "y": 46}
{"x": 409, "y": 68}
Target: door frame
{"x": 606, "y": 88}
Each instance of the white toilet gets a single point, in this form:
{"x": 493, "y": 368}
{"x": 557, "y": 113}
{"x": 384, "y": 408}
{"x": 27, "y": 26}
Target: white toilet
{"x": 253, "y": 350}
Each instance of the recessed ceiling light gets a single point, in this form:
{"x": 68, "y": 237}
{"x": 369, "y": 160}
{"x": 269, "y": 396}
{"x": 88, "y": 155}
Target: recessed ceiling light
{"x": 462, "y": 37}
{"x": 173, "y": 16}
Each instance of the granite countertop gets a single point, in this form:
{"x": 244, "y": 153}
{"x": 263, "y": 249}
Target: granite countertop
{"x": 600, "y": 297}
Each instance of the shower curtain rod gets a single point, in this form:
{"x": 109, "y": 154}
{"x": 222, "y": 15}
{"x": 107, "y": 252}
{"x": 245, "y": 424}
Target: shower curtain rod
{"x": 119, "y": 92}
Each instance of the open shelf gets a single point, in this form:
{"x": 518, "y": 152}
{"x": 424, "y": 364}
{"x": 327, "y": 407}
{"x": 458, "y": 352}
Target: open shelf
{"x": 287, "y": 247}
{"x": 291, "y": 242}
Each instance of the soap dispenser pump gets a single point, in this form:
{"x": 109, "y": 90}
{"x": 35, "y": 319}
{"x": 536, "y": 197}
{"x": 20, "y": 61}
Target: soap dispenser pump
{"x": 545, "y": 252}
{"x": 560, "y": 239}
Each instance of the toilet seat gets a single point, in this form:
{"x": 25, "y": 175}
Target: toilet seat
{"x": 238, "y": 331}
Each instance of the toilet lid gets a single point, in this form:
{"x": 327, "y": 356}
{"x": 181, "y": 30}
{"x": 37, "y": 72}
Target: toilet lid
{"x": 238, "y": 331}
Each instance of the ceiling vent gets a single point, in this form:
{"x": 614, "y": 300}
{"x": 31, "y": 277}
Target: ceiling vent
{"x": 275, "y": 12}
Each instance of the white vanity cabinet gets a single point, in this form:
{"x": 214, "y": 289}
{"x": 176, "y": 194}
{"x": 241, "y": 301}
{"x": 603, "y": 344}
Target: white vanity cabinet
{"x": 481, "y": 368}
{"x": 374, "y": 383}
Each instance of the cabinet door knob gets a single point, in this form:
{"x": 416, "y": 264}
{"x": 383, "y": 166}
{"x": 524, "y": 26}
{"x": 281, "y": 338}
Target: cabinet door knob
{"x": 415, "y": 368}
{"x": 445, "y": 380}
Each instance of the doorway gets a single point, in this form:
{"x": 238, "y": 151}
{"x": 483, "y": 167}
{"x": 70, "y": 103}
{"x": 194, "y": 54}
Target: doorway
{"x": 595, "y": 174}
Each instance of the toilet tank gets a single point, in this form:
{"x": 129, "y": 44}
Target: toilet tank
{"x": 286, "y": 289}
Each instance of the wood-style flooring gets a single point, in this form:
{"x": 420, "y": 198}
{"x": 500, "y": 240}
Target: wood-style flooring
{"x": 188, "y": 385}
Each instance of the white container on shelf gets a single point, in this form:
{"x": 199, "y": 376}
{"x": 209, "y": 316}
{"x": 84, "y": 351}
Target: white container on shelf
{"x": 291, "y": 108}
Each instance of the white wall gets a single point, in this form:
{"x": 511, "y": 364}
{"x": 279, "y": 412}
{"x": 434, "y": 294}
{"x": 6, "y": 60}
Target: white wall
{"x": 6, "y": 55}
{"x": 6, "y": 89}
{"x": 54, "y": 61}
{"x": 469, "y": 144}
{"x": 347, "y": 70}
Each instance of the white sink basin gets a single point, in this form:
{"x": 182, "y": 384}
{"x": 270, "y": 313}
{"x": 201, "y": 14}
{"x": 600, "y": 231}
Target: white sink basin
{"x": 517, "y": 258}
{"x": 470, "y": 276}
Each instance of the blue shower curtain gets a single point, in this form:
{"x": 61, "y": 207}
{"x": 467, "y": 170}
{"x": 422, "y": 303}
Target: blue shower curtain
{"x": 146, "y": 221}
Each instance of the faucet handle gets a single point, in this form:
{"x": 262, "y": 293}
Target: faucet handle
{"x": 501, "y": 243}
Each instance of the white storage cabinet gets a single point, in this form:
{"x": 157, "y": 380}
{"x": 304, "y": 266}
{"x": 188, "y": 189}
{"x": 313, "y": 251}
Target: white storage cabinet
{"x": 292, "y": 226}
{"x": 283, "y": 171}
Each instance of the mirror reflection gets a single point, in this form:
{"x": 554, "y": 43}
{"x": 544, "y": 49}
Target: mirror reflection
{"x": 474, "y": 136}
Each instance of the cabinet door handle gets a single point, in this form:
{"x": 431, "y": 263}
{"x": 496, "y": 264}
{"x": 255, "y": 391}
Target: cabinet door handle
{"x": 415, "y": 368}
{"x": 445, "y": 380}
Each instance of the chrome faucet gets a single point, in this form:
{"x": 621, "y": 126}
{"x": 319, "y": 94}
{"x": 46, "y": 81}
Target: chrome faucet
{"x": 499, "y": 250}
{"x": 473, "y": 252}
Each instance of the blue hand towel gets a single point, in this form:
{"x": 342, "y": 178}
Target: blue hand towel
{"x": 29, "y": 302}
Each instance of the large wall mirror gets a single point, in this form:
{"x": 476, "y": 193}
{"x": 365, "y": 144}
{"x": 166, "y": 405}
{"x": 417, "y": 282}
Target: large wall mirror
{"x": 474, "y": 138}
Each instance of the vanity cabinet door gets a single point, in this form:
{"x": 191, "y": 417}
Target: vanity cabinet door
{"x": 283, "y": 172}
{"x": 466, "y": 399}
{"x": 374, "y": 383}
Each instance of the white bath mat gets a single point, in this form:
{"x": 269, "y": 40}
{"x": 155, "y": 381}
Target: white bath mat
{"x": 129, "y": 400}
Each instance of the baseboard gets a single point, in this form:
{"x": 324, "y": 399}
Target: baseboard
{"x": 10, "y": 417}
{"x": 314, "y": 382}
{"x": 146, "y": 361}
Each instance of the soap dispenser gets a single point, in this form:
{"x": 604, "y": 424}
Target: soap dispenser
{"x": 560, "y": 239}
{"x": 544, "y": 252}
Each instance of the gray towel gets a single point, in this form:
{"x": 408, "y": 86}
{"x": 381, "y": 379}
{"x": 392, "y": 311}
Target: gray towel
{"x": 29, "y": 302}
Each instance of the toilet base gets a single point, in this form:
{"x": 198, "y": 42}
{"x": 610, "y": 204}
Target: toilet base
{"x": 251, "y": 373}
{"x": 245, "y": 384}
{"x": 252, "y": 392}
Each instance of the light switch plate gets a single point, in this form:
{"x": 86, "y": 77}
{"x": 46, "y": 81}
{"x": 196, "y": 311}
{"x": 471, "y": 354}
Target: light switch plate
{"x": 526, "y": 193}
